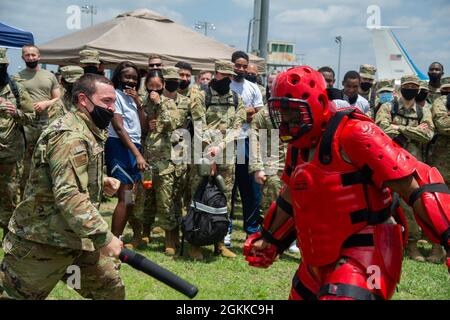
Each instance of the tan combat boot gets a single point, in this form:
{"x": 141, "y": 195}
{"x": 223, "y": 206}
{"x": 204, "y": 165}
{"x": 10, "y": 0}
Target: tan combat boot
{"x": 195, "y": 253}
{"x": 171, "y": 241}
{"x": 437, "y": 254}
{"x": 413, "y": 252}
{"x": 219, "y": 248}
{"x": 136, "y": 244}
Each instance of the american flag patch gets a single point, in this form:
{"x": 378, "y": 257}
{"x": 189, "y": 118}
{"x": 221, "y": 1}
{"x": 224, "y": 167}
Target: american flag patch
{"x": 395, "y": 57}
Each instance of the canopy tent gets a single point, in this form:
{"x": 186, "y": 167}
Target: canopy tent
{"x": 133, "y": 36}
{"x": 14, "y": 38}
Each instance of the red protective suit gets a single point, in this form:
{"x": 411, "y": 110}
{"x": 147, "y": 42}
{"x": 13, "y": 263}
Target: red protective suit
{"x": 351, "y": 246}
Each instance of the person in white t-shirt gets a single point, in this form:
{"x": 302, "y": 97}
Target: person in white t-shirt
{"x": 351, "y": 84}
{"x": 123, "y": 150}
{"x": 249, "y": 190}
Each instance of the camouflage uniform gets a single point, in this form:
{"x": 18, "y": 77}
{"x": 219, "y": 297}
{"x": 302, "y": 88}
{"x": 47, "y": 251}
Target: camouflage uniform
{"x": 12, "y": 145}
{"x": 426, "y": 148}
{"x": 194, "y": 112}
{"x": 158, "y": 201}
{"x": 414, "y": 137}
{"x": 441, "y": 117}
{"x": 367, "y": 71}
{"x": 58, "y": 223}
{"x": 223, "y": 119}
{"x": 273, "y": 165}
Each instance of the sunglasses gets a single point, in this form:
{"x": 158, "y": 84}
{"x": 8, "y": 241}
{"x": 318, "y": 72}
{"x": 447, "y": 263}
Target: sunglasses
{"x": 155, "y": 65}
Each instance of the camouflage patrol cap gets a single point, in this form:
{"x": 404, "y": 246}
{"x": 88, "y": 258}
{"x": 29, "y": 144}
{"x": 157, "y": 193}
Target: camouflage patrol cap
{"x": 367, "y": 71}
{"x": 170, "y": 73}
{"x": 445, "y": 82}
{"x": 386, "y": 85}
{"x": 423, "y": 85}
{"x": 3, "y": 57}
{"x": 410, "y": 79}
{"x": 71, "y": 74}
{"x": 89, "y": 56}
{"x": 225, "y": 67}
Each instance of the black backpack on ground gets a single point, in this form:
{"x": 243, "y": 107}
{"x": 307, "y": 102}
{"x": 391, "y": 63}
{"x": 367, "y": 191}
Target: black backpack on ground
{"x": 207, "y": 220}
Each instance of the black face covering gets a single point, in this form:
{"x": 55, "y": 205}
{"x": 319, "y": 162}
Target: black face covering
{"x": 100, "y": 116}
{"x": 221, "y": 86}
{"x": 365, "y": 86}
{"x": 448, "y": 102}
{"x": 409, "y": 94}
{"x": 239, "y": 76}
{"x": 422, "y": 96}
{"x": 171, "y": 85}
{"x": 184, "y": 84}
{"x": 160, "y": 91}
{"x": 434, "y": 77}
{"x": 90, "y": 69}
{"x": 251, "y": 77}
{"x": 4, "y": 78}
{"x": 32, "y": 64}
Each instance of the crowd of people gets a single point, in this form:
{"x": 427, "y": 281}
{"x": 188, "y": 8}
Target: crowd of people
{"x": 66, "y": 140}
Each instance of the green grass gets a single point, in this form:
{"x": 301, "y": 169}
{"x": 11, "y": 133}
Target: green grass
{"x": 232, "y": 279}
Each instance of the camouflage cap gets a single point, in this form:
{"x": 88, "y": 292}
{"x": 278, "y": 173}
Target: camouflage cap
{"x": 410, "y": 79}
{"x": 71, "y": 74}
{"x": 385, "y": 85}
{"x": 423, "y": 85}
{"x": 3, "y": 57}
{"x": 225, "y": 67}
{"x": 170, "y": 73}
{"x": 89, "y": 56}
{"x": 445, "y": 82}
{"x": 367, "y": 71}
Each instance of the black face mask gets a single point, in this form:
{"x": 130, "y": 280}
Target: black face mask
{"x": 239, "y": 76}
{"x": 448, "y": 102}
{"x": 184, "y": 84}
{"x": 409, "y": 94}
{"x": 365, "y": 86}
{"x": 421, "y": 96}
{"x": 101, "y": 116}
{"x": 221, "y": 86}
{"x": 160, "y": 91}
{"x": 90, "y": 69}
{"x": 434, "y": 77}
{"x": 32, "y": 64}
{"x": 4, "y": 78}
{"x": 251, "y": 77}
{"x": 172, "y": 86}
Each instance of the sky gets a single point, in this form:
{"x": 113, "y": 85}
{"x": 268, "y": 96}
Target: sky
{"x": 311, "y": 25}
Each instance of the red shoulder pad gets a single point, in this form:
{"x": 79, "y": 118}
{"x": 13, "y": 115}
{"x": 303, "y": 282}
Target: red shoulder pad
{"x": 366, "y": 144}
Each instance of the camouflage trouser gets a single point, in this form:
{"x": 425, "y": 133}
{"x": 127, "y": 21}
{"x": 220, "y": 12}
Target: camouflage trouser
{"x": 31, "y": 270}
{"x": 415, "y": 233}
{"x": 270, "y": 191}
{"x": 158, "y": 202}
{"x": 227, "y": 172}
{"x": 9, "y": 191}
{"x": 180, "y": 186}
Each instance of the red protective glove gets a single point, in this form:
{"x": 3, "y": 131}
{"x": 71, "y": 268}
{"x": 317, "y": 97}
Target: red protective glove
{"x": 261, "y": 255}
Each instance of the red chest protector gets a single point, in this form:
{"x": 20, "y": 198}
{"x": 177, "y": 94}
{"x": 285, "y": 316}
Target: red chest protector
{"x": 332, "y": 198}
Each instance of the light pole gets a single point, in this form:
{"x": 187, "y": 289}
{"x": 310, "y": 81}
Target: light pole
{"x": 205, "y": 25}
{"x": 338, "y": 40}
{"x": 90, "y": 9}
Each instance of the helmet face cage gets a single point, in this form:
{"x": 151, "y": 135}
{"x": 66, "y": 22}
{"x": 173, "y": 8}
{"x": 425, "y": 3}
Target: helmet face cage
{"x": 292, "y": 117}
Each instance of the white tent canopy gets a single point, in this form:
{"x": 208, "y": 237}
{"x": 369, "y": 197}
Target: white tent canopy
{"x": 133, "y": 36}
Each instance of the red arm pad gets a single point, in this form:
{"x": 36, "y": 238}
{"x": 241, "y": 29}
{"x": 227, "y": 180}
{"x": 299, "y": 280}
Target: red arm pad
{"x": 435, "y": 197}
{"x": 366, "y": 144}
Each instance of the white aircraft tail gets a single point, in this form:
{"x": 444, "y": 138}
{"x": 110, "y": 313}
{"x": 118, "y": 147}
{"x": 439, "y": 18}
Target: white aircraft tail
{"x": 393, "y": 61}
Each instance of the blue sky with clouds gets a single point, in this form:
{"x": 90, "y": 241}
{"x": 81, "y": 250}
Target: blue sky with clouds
{"x": 312, "y": 25}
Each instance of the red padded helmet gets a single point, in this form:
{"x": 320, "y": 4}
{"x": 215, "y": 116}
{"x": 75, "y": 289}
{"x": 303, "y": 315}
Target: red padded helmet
{"x": 299, "y": 106}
